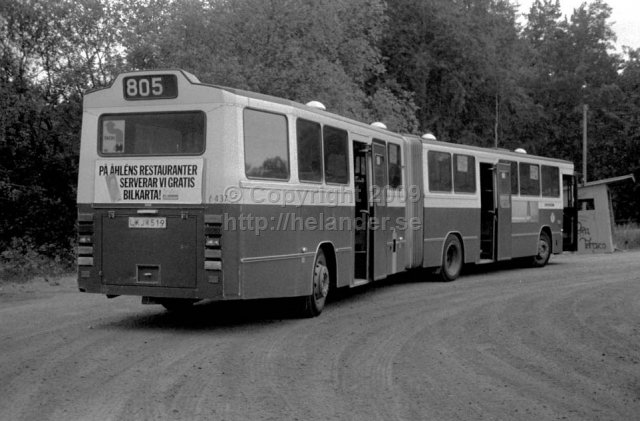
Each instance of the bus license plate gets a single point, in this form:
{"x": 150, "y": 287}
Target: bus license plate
{"x": 144, "y": 222}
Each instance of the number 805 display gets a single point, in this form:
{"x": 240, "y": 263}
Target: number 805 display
{"x": 150, "y": 87}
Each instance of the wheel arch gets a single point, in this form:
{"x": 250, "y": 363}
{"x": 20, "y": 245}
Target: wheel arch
{"x": 443, "y": 270}
{"x": 444, "y": 241}
{"x": 329, "y": 251}
{"x": 547, "y": 230}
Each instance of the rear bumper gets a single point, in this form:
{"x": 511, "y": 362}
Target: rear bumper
{"x": 92, "y": 286}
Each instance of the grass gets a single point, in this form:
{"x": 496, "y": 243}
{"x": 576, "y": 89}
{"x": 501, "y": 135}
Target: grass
{"x": 626, "y": 236}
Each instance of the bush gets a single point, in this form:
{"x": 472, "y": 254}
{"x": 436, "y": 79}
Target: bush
{"x": 22, "y": 260}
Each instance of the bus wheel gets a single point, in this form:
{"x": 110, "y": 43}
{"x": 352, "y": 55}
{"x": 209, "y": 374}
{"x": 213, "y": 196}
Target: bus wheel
{"x": 451, "y": 259}
{"x": 177, "y": 304}
{"x": 314, "y": 303}
{"x": 544, "y": 250}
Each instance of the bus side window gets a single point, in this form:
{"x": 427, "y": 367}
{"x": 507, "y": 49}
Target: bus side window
{"x": 439, "y": 171}
{"x": 529, "y": 179}
{"x": 336, "y": 155}
{"x": 395, "y": 166}
{"x": 464, "y": 173}
{"x": 309, "y": 144}
{"x": 550, "y": 181}
{"x": 514, "y": 175}
{"x": 266, "y": 146}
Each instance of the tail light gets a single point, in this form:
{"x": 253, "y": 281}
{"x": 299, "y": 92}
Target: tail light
{"x": 213, "y": 247}
{"x": 85, "y": 239}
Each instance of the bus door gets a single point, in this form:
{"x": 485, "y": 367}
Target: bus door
{"x": 487, "y": 212}
{"x": 361, "y": 165}
{"x": 569, "y": 213}
{"x": 379, "y": 223}
{"x": 503, "y": 211}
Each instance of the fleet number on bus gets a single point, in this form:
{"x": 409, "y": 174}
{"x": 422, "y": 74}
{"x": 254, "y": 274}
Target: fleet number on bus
{"x": 150, "y": 87}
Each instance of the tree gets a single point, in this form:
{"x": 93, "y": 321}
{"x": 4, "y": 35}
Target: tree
{"x": 302, "y": 50}
{"x": 459, "y": 59}
{"x": 50, "y": 52}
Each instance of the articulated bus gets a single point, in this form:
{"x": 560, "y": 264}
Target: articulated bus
{"x": 189, "y": 191}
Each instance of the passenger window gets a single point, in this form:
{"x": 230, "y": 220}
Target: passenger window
{"x": 550, "y": 181}
{"x": 309, "y": 139}
{"x": 336, "y": 155}
{"x": 395, "y": 166}
{"x": 514, "y": 175}
{"x": 529, "y": 179}
{"x": 464, "y": 174}
{"x": 439, "y": 171}
{"x": 380, "y": 168}
{"x": 266, "y": 146}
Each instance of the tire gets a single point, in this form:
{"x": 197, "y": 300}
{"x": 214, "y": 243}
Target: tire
{"x": 544, "y": 251}
{"x": 320, "y": 283}
{"x": 176, "y": 305}
{"x": 452, "y": 259}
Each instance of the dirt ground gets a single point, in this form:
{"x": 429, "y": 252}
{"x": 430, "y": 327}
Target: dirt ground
{"x": 561, "y": 342}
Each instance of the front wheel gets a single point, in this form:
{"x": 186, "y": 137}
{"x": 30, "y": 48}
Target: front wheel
{"x": 451, "y": 259}
{"x": 321, "y": 280}
{"x": 544, "y": 250}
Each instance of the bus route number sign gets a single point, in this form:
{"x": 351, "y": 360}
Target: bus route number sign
{"x": 150, "y": 87}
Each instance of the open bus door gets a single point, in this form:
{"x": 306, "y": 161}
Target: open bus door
{"x": 361, "y": 165}
{"x": 503, "y": 209}
{"x": 378, "y": 200}
{"x": 569, "y": 212}
{"x": 370, "y": 172}
{"x": 495, "y": 211}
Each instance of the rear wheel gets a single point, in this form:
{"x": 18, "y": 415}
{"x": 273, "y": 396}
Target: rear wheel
{"x": 451, "y": 259}
{"x": 544, "y": 250}
{"x": 321, "y": 280}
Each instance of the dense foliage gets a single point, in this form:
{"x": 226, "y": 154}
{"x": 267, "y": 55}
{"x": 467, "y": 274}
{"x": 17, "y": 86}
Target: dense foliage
{"x": 471, "y": 71}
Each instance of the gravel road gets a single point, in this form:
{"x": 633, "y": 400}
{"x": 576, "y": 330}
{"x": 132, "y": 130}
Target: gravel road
{"x": 500, "y": 343}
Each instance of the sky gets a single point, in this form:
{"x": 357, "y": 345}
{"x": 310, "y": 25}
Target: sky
{"x": 625, "y": 17}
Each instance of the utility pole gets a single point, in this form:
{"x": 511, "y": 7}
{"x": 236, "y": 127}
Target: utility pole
{"x": 585, "y": 109}
{"x": 495, "y": 126}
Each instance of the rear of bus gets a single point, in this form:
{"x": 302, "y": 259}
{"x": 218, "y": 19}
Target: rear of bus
{"x": 147, "y": 156}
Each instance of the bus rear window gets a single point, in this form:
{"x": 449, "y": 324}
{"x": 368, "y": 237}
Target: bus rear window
{"x": 179, "y": 133}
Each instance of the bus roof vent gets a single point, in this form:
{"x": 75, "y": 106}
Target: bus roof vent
{"x": 316, "y": 104}
{"x": 428, "y": 136}
{"x": 520, "y": 150}
{"x": 379, "y": 125}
